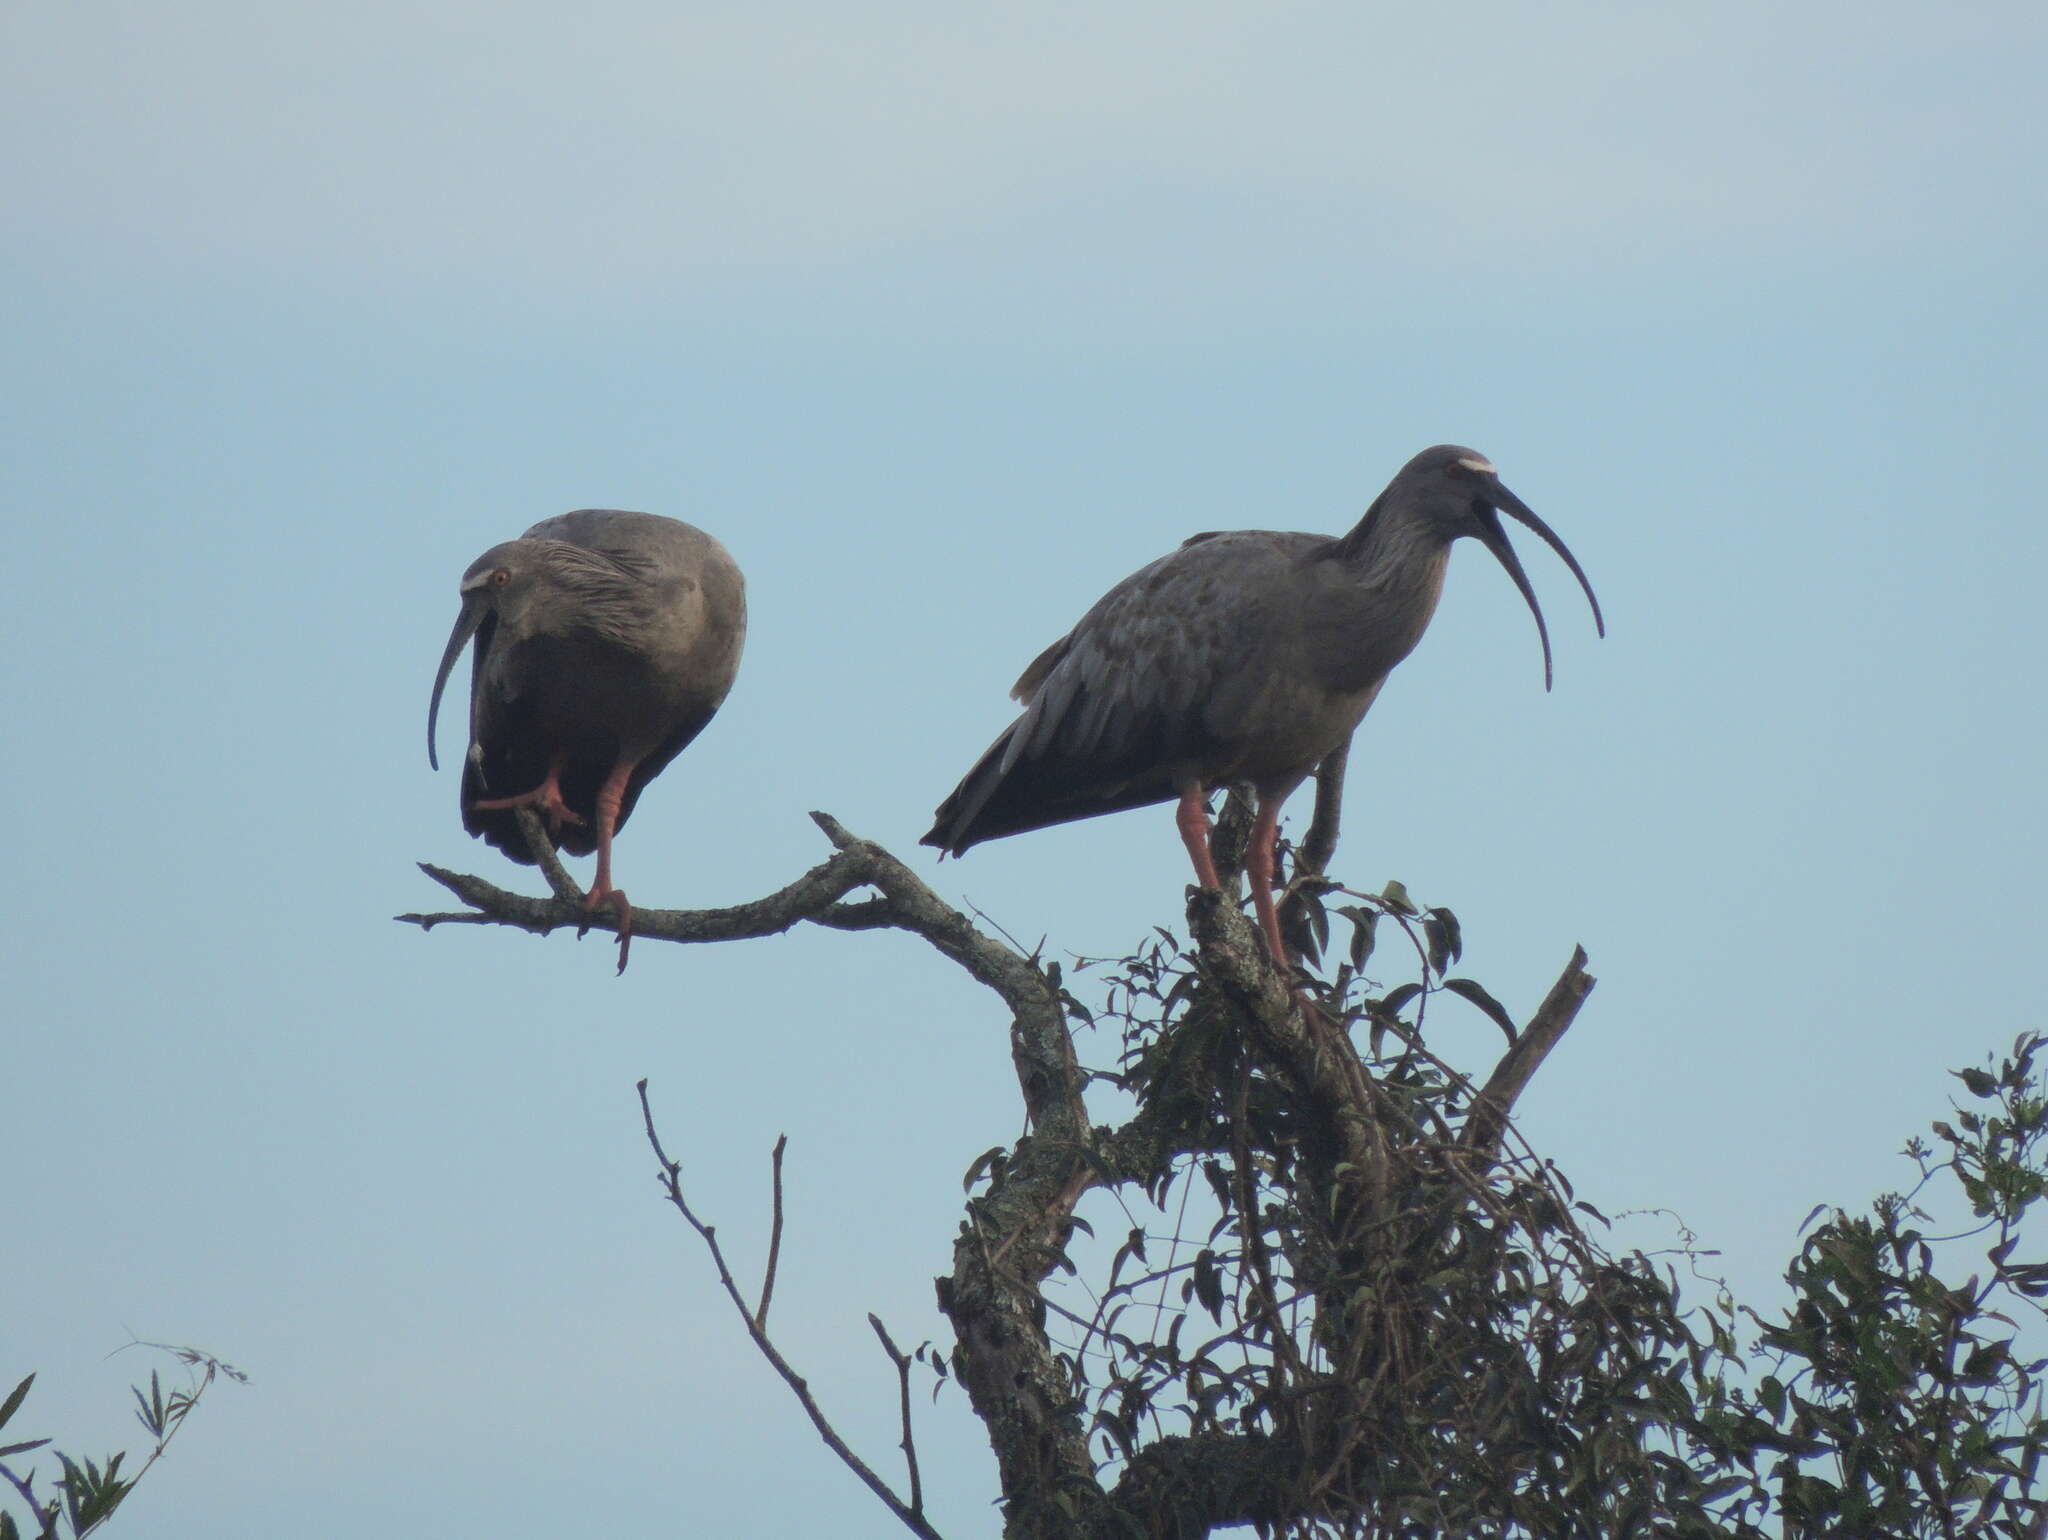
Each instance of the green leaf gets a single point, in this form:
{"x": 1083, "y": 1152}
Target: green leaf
{"x": 1364, "y": 928}
{"x": 1208, "y": 1281}
{"x": 1472, "y": 990}
{"x": 1770, "y": 1396}
{"x": 150, "y": 1410}
{"x": 1446, "y": 939}
{"x": 14, "y": 1399}
{"x": 1399, "y": 996}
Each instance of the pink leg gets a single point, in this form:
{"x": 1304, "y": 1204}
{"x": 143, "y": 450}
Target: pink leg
{"x": 1259, "y": 860}
{"x": 609, "y": 796}
{"x": 1258, "y": 868}
{"x": 1193, "y": 819}
{"x": 545, "y": 798}
{"x": 1259, "y": 863}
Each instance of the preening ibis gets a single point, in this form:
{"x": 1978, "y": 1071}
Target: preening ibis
{"x": 1242, "y": 656}
{"x": 605, "y": 640}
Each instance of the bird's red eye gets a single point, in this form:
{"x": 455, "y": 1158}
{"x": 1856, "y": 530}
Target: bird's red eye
{"x": 500, "y": 578}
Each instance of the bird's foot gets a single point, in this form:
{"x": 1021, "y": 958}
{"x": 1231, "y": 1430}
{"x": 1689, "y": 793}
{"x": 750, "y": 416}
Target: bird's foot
{"x": 545, "y": 799}
{"x": 616, "y": 897}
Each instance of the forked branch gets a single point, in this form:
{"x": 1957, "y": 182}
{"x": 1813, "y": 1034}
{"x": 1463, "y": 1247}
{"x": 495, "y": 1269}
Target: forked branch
{"x": 1518, "y": 1066}
{"x": 901, "y": 1360}
{"x": 911, "y": 1513}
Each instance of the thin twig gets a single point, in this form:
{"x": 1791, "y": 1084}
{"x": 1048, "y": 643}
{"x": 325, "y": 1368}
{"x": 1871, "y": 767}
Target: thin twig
{"x": 672, "y": 1188}
{"x": 1254, "y": 1259}
{"x": 774, "y": 1237}
{"x": 27, "y": 1491}
{"x": 909, "y": 1445}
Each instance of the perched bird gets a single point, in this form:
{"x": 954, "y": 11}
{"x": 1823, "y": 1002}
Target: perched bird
{"x": 1242, "y": 656}
{"x": 605, "y": 640}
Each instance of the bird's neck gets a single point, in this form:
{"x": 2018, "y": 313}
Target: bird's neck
{"x": 1396, "y": 557}
{"x": 1392, "y": 573}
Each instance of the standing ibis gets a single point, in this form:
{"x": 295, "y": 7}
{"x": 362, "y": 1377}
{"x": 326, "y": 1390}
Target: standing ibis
{"x": 1242, "y": 656}
{"x": 605, "y": 640}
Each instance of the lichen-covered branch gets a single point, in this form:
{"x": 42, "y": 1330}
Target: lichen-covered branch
{"x": 1316, "y": 1057}
{"x": 813, "y": 897}
{"x": 1187, "y": 1486}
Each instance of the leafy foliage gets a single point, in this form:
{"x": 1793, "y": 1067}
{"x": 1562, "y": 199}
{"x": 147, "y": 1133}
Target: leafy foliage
{"x": 1442, "y": 1347}
{"x": 87, "y": 1492}
{"x": 1896, "y": 1401}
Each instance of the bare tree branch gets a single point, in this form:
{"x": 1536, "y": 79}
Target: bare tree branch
{"x": 1519, "y": 1064}
{"x": 774, "y": 1236}
{"x": 811, "y": 897}
{"x": 909, "y": 1445}
{"x": 560, "y": 883}
{"x": 672, "y": 1188}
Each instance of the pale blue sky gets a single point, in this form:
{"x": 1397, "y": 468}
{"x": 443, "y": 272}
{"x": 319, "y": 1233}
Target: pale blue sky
{"x": 944, "y": 319}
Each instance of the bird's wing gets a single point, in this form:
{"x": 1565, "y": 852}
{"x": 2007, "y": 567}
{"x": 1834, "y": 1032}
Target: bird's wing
{"x": 1140, "y": 670}
{"x": 505, "y": 756}
{"x": 1119, "y": 707}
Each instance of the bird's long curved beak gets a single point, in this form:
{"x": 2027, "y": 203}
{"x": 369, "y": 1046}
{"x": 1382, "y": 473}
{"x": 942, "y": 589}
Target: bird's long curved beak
{"x": 1511, "y": 504}
{"x": 1495, "y": 539}
{"x": 474, "y": 608}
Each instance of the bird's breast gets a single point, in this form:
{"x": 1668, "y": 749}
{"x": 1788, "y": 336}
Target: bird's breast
{"x": 1275, "y": 726}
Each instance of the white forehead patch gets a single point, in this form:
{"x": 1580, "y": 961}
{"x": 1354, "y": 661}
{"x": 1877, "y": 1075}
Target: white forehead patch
{"x": 1474, "y": 463}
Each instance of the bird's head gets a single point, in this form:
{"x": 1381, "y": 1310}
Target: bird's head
{"x": 1455, "y": 492}
{"x": 499, "y": 580}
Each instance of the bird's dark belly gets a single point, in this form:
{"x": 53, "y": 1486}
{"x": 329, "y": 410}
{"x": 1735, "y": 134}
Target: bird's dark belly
{"x": 593, "y": 701}
{"x": 1282, "y": 732}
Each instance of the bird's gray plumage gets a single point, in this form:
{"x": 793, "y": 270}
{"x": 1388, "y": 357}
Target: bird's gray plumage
{"x": 1241, "y": 656}
{"x": 603, "y": 639}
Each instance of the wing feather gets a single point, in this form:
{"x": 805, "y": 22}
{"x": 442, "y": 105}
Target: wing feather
{"x": 1116, "y": 712}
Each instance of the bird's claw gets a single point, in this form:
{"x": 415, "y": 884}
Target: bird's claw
{"x": 616, "y": 897}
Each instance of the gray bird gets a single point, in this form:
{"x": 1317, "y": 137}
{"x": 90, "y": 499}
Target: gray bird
{"x": 1242, "y": 656}
{"x": 605, "y": 640}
